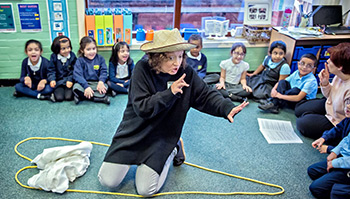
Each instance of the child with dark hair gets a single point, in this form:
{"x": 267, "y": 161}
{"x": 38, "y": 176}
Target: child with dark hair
{"x": 33, "y": 80}
{"x": 120, "y": 68}
{"x": 273, "y": 69}
{"x": 61, "y": 69}
{"x": 198, "y": 61}
{"x": 90, "y": 73}
{"x": 300, "y": 85}
{"x": 233, "y": 83}
{"x": 316, "y": 116}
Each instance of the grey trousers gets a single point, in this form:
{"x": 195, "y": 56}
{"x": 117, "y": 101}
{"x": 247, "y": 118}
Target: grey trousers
{"x": 148, "y": 182}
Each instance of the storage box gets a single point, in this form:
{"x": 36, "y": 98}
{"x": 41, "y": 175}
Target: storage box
{"x": 300, "y": 51}
{"x": 90, "y": 26}
{"x": 257, "y": 33}
{"x": 324, "y": 54}
{"x": 294, "y": 66}
{"x": 100, "y": 33}
{"x": 108, "y": 23}
{"x": 190, "y": 31}
{"x": 118, "y": 28}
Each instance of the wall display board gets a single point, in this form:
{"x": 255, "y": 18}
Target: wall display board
{"x": 257, "y": 12}
{"x": 29, "y": 17}
{"x": 58, "y": 18}
{"x": 7, "y": 22}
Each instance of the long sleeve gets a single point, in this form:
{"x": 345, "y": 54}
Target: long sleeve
{"x": 335, "y": 132}
{"x": 52, "y": 68}
{"x": 72, "y": 61}
{"x": 78, "y": 74}
{"x": 146, "y": 101}
{"x": 326, "y": 90}
{"x": 24, "y": 71}
{"x": 343, "y": 148}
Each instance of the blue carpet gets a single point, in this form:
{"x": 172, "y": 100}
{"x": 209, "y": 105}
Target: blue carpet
{"x": 212, "y": 142}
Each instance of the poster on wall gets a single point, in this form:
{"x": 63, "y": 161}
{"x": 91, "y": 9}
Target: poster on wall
{"x": 58, "y": 18}
{"x": 7, "y": 22}
{"x": 257, "y": 12}
{"x": 29, "y": 17}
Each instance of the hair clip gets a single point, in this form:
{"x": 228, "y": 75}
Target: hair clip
{"x": 63, "y": 39}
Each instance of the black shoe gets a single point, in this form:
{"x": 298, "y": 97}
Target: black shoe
{"x": 260, "y": 101}
{"x": 45, "y": 97}
{"x": 235, "y": 98}
{"x": 180, "y": 157}
{"x": 76, "y": 100}
{"x": 16, "y": 94}
{"x": 269, "y": 106}
{"x": 113, "y": 93}
{"x": 104, "y": 99}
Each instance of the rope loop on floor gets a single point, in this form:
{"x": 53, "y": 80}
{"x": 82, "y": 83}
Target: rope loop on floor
{"x": 158, "y": 194}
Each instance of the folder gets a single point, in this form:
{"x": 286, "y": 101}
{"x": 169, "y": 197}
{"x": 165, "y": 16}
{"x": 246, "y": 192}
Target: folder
{"x": 99, "y": 28}
{"x": 118, "y": 28}
{"x": 90, "y": 26}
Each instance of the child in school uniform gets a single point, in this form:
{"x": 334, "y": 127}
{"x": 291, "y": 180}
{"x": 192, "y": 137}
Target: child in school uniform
{"x": 233, "y": 82}
{"x": 90, "y": 74}
{"x": 300, "y": 85}
{"x": 33, "y": 81}
{"x": 61, "y": 65}
{"x": 273, "y": 69}
{"x": 198, "y": 61}
{"x": 120, "y": 68}
{"x": 331, "y": 177}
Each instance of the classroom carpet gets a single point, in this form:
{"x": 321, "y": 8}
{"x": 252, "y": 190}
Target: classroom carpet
{"x": 237, "y": 148}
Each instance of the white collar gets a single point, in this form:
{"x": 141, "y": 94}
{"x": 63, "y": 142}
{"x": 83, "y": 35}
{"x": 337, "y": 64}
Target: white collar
{"x": 122, "y": 64}
{"x": 62, "y": 58}
{"x": 36, "y": 66}
{"x": 199, "y": 57}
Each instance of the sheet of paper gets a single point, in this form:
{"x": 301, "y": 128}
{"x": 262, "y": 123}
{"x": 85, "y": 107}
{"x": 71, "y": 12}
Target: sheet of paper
{"x": 278, "y": 131}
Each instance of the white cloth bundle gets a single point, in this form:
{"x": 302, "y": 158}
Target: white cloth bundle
{"x": 59, "y": 165}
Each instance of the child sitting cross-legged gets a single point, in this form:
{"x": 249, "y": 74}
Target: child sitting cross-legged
{"x": 300, "y": 85}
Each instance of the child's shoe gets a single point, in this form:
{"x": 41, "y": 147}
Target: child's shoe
{"x": 52, "y": 98}
{"x": 76, "y": 100}
{"x": 16, "y": 94}
{"x": 104, "y": 99}
{"x": 180, "y": 157}
{"x": 114, "y": 93}
{"x": 269, "y": 106}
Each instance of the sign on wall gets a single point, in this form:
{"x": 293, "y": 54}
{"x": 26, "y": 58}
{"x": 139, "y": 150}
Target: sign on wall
{"x": 7, "y": 22}
{"x": 257, "y": 12}
{"x": 58, "y": 18}
{"x": 29, "y": 17}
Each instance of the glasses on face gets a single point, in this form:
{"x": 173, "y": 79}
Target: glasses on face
{"x": 238, "y": 54}
{"x": 306, "y": 65}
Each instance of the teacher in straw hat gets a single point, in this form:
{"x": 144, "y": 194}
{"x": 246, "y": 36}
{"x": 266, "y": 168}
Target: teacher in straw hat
{"x": 162, "y": 90}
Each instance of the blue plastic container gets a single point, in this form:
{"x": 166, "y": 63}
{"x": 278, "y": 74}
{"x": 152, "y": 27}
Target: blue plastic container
{"x": 324, "y": 54}
{"x": 294, "y": 66}
{"x": 190, "y": 31}
{"x": 140, "y": 35}
{"x": 300, "y": 51}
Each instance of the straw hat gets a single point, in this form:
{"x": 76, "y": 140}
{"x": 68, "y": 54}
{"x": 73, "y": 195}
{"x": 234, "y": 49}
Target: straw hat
{"x": 166, "y": 41}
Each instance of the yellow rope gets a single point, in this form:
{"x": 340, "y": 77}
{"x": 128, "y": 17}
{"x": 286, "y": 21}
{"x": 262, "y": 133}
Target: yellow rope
{"x": 158, "y": 194}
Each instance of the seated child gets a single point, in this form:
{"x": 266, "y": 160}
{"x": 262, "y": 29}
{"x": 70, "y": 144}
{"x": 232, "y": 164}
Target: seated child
{"x": 33, "y": 81}
{"x": 300, "y": 85}
{"x": 233, "y": 82}
{"x": 120, "y": 68}
{"x": 61, "y": 69}
{"x": 333, "y": 136}
{"x": 198, "y": 61}
{"x": 329, "y": 174}
{"x": 90, "y": 74}
{"x": 273, "y": 69}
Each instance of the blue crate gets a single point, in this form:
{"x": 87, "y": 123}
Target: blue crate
{"x": 294, "y": 66}
{"x": 300, "y": 51}
{"x": 324, "y": 54}
{"x": 320, "y": 65}
{"x": 190, "y": 31}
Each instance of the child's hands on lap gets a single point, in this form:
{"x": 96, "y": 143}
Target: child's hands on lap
{"x": 119, "y": 84}
{"x": 28, "y": 82}
{"x": 53, "y": 84}
{"x": 220, "y": 86}
{"x": 101, "y": 87}
{"x": 318, "y": 143}
{"x": 41, "y": 84}
{"x": 323, "y": 149}
{"x": 247, "y": 88}
{"x": 88, "y": 93}
{"x": 69, "y": 84}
